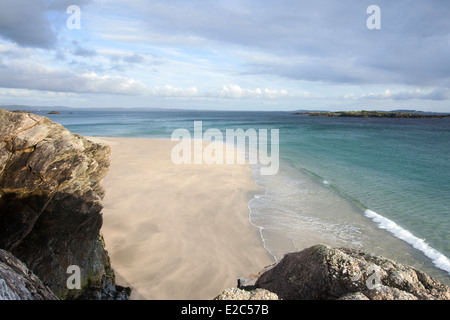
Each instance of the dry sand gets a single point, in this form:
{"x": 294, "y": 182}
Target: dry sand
{"x": 177, "y": 231}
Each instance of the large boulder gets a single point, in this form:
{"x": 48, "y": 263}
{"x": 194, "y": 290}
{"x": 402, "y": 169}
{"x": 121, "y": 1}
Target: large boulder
{"x": 323, "y": 273}
{"x": 51, "y": 201}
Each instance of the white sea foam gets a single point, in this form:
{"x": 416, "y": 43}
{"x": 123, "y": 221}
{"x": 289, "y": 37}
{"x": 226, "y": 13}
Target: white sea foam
{"x": 438, "y": 258}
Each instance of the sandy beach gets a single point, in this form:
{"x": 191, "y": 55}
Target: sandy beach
{"x": 177, "y": 231}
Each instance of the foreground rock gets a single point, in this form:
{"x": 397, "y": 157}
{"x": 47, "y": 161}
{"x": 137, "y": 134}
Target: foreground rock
{"x": 323, "y": 273}
{"x": 19, "y": 283}
{"x": 239, "y": 294}
{"x": 50, "y": 202}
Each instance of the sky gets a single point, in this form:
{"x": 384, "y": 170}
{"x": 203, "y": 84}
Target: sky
{"x": 226, "y": 54}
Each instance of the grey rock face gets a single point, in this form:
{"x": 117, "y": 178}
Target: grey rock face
{"x": 321, "y": 273}
{"x": 51, "y": 201}
{"x": 19, "y": 283}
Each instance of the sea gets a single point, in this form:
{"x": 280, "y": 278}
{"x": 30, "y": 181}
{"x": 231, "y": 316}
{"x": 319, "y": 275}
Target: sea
{"x": 381, "y": 185}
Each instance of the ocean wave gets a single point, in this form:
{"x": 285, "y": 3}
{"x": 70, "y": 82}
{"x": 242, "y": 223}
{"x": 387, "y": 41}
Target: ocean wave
{"x": 439, "y": 260}
{"x": 279, "y": 189}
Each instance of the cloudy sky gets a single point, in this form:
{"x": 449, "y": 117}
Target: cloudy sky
{"x": 226, "y": 54}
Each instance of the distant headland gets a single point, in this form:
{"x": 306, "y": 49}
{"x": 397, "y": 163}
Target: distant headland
{"x": 374, "y": 114}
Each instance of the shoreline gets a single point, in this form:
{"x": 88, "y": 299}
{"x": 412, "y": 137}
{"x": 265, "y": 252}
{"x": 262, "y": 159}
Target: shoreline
{"x": 177, "y": 231}
{"x": 327, "y": 216}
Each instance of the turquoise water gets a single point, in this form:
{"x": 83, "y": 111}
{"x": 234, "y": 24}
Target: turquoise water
{"x": 381, "y": 185}
{"x": 399, "y": 168}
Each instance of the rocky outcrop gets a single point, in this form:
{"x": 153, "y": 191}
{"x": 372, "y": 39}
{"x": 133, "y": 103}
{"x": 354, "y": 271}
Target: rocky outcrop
{"x": 19, "y": 283}
{"x": 374, "y": 114}
{"x": 50, "y": 201}
{"x": 324, "y": 273}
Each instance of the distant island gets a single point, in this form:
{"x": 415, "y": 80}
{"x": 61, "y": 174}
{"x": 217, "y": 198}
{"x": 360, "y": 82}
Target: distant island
{"x": 374, "y": 114}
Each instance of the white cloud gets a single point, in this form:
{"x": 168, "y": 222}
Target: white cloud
{"x": 91, "y": 82}
{"x": 35, "y": 24}
{"x": 234, "y": 91}
{"x": 230, "y": 91}
{"x": 169, "y": 91}
{"x": 437, "y": 94}
{"x": 295, "y": 52}
{"x": 25, "y": 93}
{"x": 21, "y": 74}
